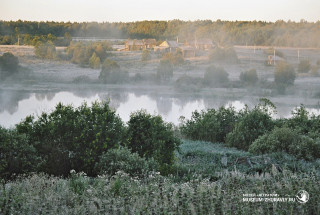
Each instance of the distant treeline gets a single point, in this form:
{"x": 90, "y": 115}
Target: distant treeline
{"x": 280, "y": 33}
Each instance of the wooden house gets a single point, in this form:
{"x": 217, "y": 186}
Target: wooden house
{"x": 134, "y": 45}
{"x": 149, "y": 43}
{"x": 167, "y": 46}
{"x": 188, "y": 51}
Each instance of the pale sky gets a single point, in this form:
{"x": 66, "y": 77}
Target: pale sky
{"x": 127, "y": 10}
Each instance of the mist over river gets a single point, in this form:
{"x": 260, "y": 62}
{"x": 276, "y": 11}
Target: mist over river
{"x": 15, "y": 105}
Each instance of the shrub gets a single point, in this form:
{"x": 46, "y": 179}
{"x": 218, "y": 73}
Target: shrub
{"x": 211, "y": 125}
{"x": 45, "y": 50}
{"x": 287, "y": 140}
{"x": 214, "y": 75}
{"x": 249, "y": 77}
{"x": 284, "y": 74}
{"x": 146, "y": 56}
{"x": 17, "y": 156}
{"x": 165, "y": 70}
{"x": 304, "y": 66}
{"x": 9, "y": 63}
{"x": 94, "y": 61}
{"x": 279, "y": 139}
{"x": 250, "y": 125}
{"x": 111, "y": 73}
{"x": 73, "y": 138}
{"x": 151, "y": 137}
{"x": 224, "y": 55}
{"x": 124, "y": 160}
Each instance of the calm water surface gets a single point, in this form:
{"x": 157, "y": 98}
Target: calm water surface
{"x": 16, "y": 105}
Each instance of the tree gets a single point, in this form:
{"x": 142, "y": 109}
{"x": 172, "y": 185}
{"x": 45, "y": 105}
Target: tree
{"x": 151, "y": 137}
{"x": 165, "y": 70}
{"x": 73, "y": 138}
{"x": 146, "y": 56}
{"x": 249, "y": 77}
{"x": 284, "y": 76}
{"x": 94, "y": 61}
{"x": 45, "y": 50}
{"x": 304, "y": 66}
{"x": 214, "y": 75}
{"x": 9, "y": 64}
{"x": 111, "y": 73}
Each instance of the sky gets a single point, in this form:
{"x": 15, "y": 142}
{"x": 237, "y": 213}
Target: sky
{"x": 127, "y": 10}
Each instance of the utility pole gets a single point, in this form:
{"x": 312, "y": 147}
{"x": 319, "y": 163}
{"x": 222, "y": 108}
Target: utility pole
{"x": 274, "y": 56}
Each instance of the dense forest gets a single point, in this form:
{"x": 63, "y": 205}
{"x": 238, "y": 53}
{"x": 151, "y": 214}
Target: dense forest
{"x": 280, "y": 33}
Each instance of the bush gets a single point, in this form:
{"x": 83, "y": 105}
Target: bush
{"x": 249, "y": 77}
{"x": 284, "y": 74}
{"x": 223, "y": 55}
{"x": 151, "y": 137}
{"x": 215, "y": 75}
{"x": 304, "y": 66}
{"x": 45, "y": 50}
{"x": 17, "y": 156}
{"x": 250, "y": 125}
{"x": 176, "y": 59}
{"x": 73, "y": 138}
{"x": 111, "y": 73}
{"x": 146, "y": 56}
{"x": 279, "y": 139}
{"x": 9, "y": 65}
{"x": 287, "y": 140}
{"x": 124, "y": 160}
{"x": 211, "y": 125}
{"x": 165, "y": 70}
{"x": 94, "y": 61}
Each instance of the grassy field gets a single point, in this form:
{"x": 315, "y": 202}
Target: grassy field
{"x": 210, "y": 179}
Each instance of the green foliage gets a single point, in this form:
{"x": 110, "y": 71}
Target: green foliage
{"x": 176, "y": 59}
{"x": 17, "y": 155}
{"x": 73, "y": 138}
{"x": 304, "y": 66}
{"x": 94, "y": 61}
{"x": 215, "y": 75}
{"x": 251, "y": 124}
{"x": 223, "y": 55}
{"x": 45, "y": 50}
{"x": 289, "y": 141}
{"x": 249, "y": 77}
{"x": 88, "y": 54}
{"x": 187, "y": 83}
{"x": 284, "y": 74}
{"x": 9, "y": 65}
{"x": 146, "y": 56}
{"x": 165, "y": 70}
{"x": 124, "y": 160}
{"x": 211, "y": 125}
{"x": 151, "y": 137}
{"x": 111, "y": 73}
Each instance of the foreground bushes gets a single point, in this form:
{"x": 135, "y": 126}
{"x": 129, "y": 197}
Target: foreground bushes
{"x": 211, "y": 125}
{"x": 150, "y": 137}
{"x": 87, "y": 138}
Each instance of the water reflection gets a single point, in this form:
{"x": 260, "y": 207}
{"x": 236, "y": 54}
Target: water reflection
{"x": 16, "y": 105}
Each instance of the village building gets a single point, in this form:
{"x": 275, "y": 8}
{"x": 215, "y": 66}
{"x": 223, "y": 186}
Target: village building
{"x": 167, "y": 46}
{"x": 149, "y": 43}
{"x": 134, "y": 45}
{"x": 188, "y": 51}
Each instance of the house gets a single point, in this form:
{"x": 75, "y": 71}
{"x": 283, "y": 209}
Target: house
{"x": 167, "y": 46}
{"x": 188, "y": 51}
{"x": 134, "y": 45}
{"x": 201, "y": 44}
{"x": 149, "y": 43}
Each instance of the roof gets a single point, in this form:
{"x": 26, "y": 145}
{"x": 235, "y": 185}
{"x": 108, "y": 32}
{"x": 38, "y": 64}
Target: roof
{"x": 171, "y": 44}
{"x": 134, "y": 42}
{"x": 149, "y": 41}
